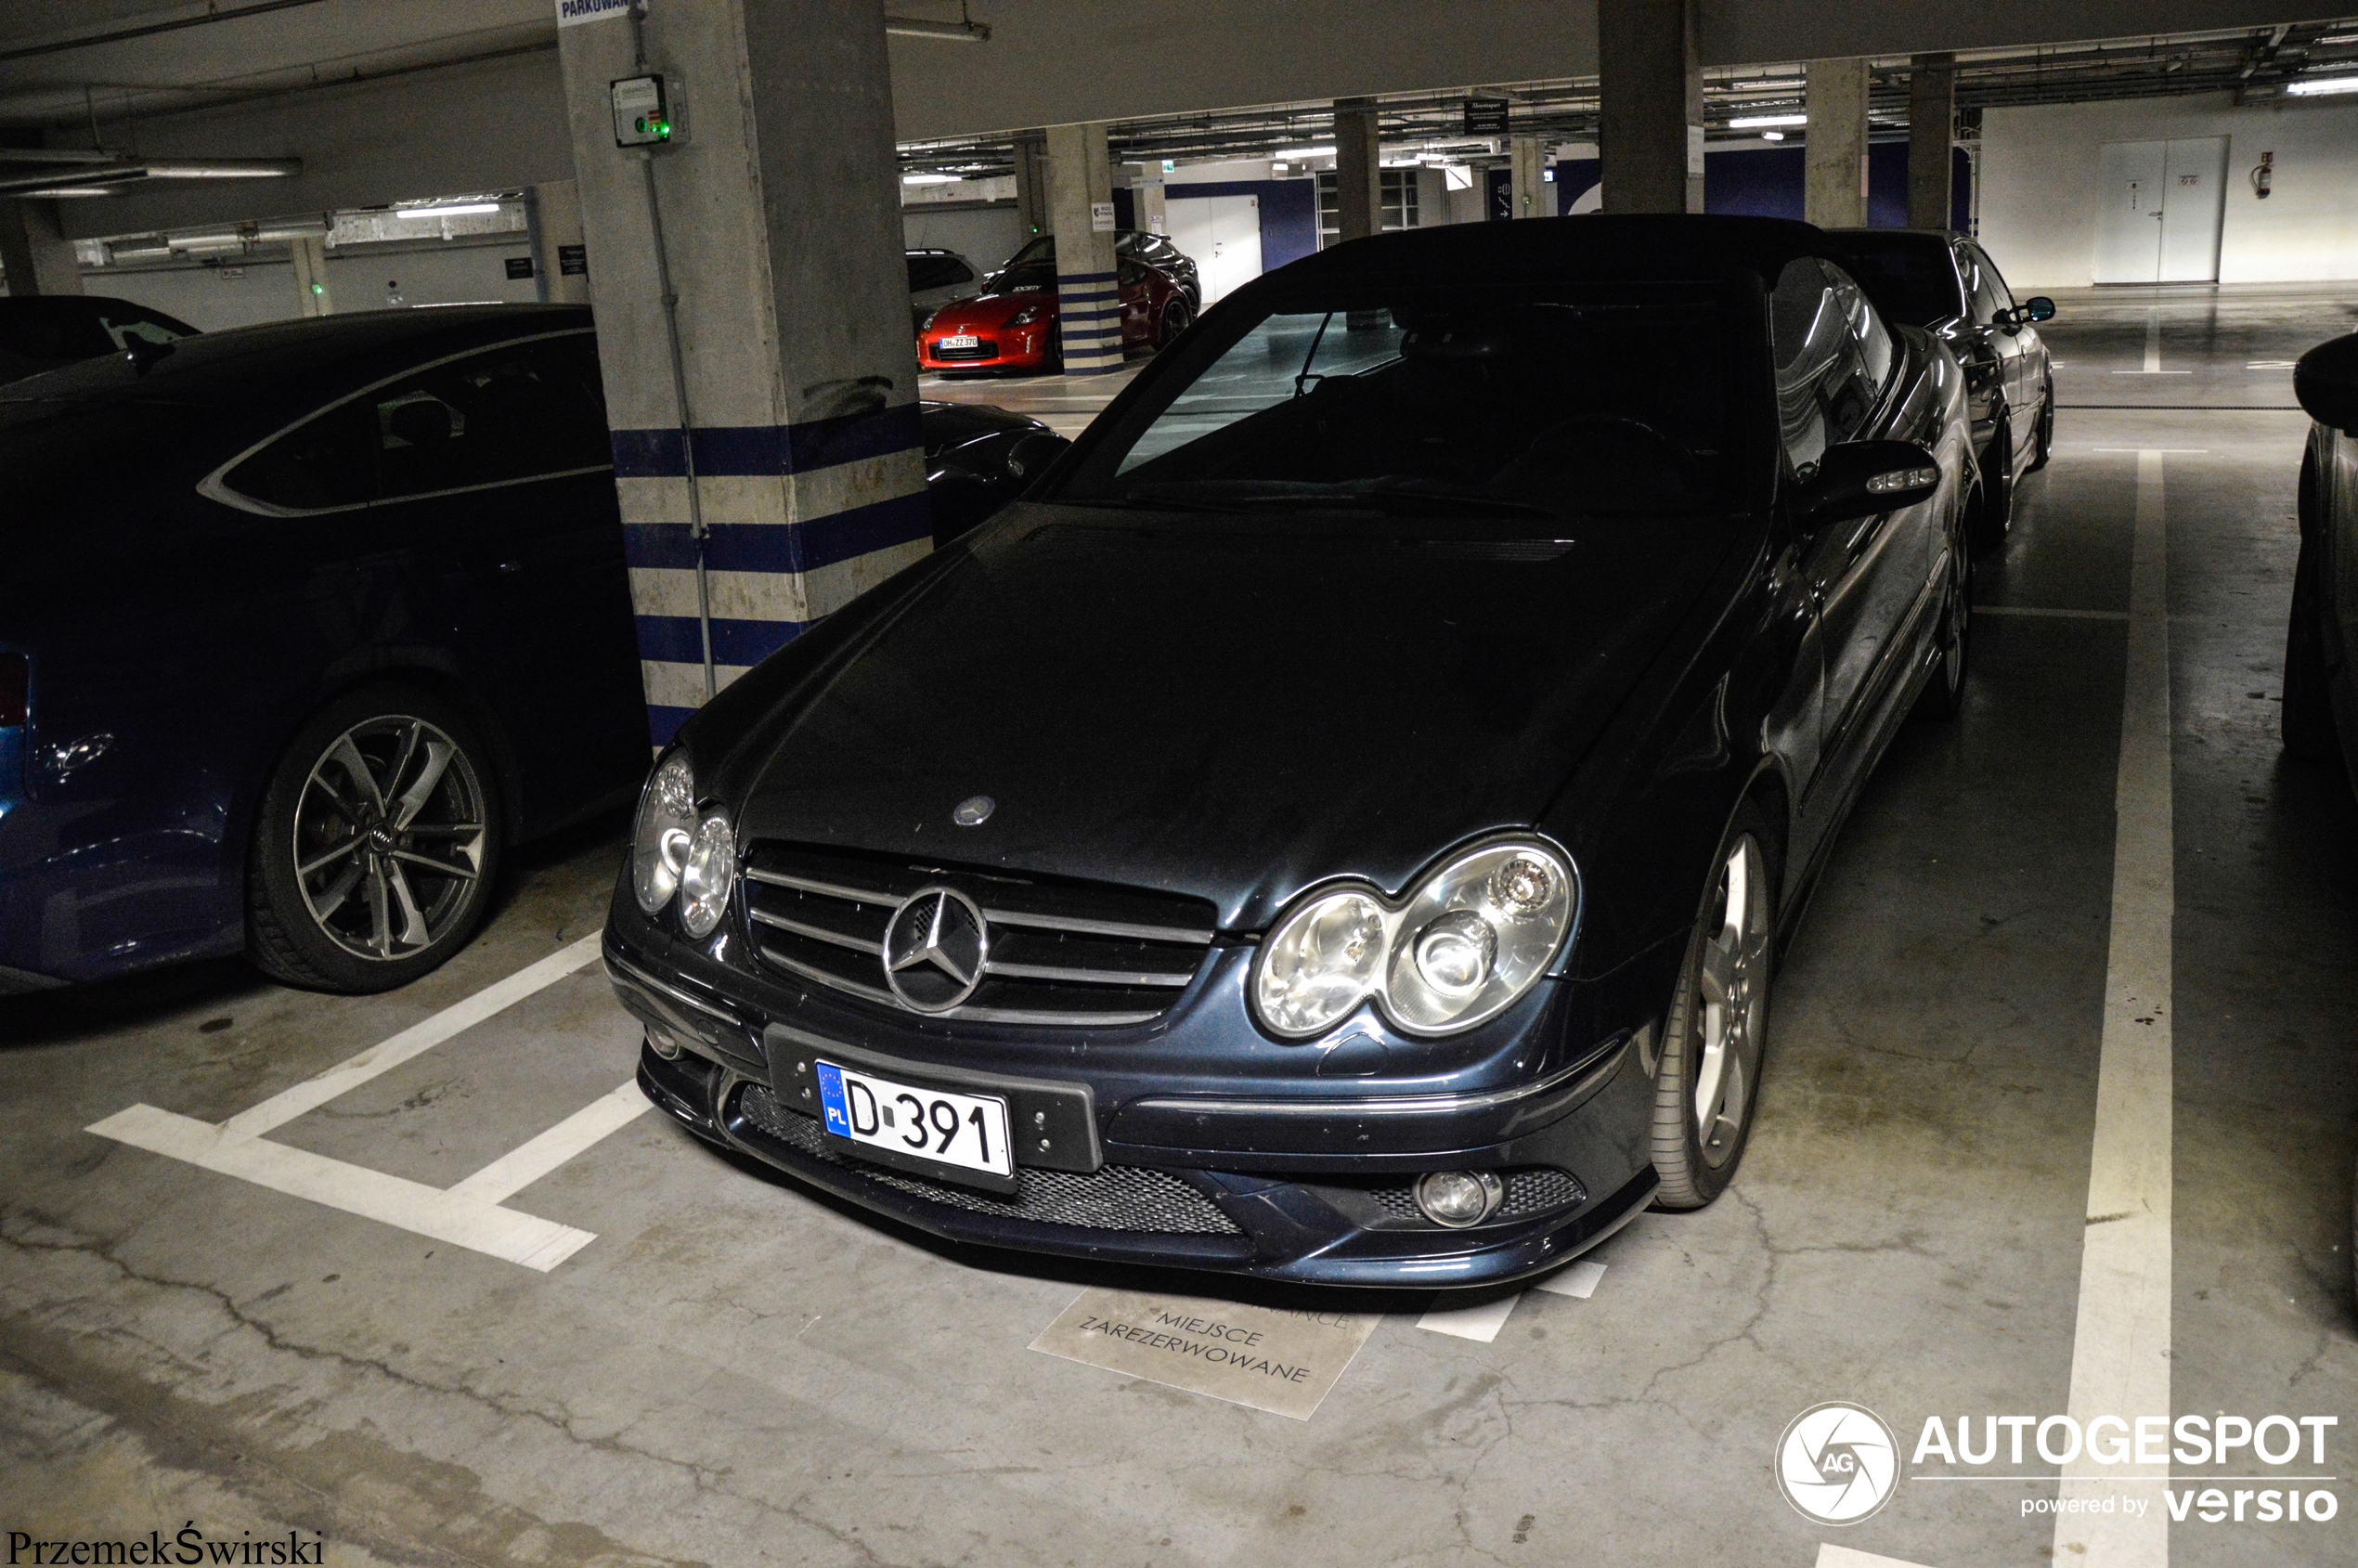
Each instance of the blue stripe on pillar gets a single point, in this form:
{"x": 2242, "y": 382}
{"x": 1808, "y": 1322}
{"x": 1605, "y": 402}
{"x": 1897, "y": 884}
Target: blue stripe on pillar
{"x": 783, "y": 546}
{"x": 1064, "y": 278}
{"x": 677, "y": 639}
{"x": 768, "y": 448}
{"x": 663, "y": 723}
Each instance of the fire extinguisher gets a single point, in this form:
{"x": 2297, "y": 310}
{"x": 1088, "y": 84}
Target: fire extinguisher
{"x": 2264, "y": 174}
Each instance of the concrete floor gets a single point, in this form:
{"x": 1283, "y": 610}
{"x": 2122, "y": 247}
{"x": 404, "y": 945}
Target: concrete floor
{"x": 735, "y": 1372}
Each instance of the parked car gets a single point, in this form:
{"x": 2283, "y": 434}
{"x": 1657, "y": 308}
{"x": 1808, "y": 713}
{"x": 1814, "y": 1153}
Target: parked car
{"x": 1014, "y": 326}
{"x": 43, "y": 332}
{"x": 1341, "y": 824}
{"x": 302, "y": 624}
{"x": 936, "y": 278}
{"x": 1132, "y": 244}
{"x": 1948, "y": 285}
{"x": 977, "y": 460}
{"x": 2320, "y": 720}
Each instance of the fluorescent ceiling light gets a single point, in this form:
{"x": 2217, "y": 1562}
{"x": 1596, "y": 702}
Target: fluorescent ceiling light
{"x": 223, "y": 168}
{"x": 69, "y": 190}
{"x": 2317, "y": 87}
{"x": 1762, "y": 122}
{"x": 1291, "y": 153}
{"x": 456, "y": 210}
{"x": 928, "y": 179}
{"x": 1772, "y": 136}
{"x": 2340, "y": 38}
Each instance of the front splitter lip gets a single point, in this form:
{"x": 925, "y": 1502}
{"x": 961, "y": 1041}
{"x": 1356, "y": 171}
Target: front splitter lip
{"x": 1349, "y": 1255}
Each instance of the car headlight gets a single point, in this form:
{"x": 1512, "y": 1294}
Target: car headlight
{"x": 710, "y": 871}
{"x": 1024, "y": 316}
{"x": 1467, "y": 940}
{"x": 666, "y": 822}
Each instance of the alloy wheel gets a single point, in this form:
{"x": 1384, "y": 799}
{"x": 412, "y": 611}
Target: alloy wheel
{"x": 1733, "y": 990}
{"x": 389, "y": 838}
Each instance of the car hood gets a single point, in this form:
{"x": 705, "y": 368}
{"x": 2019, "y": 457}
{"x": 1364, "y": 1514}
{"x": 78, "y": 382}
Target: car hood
{"x": 988, "y": 311}
{"x": 1232, "y": 708}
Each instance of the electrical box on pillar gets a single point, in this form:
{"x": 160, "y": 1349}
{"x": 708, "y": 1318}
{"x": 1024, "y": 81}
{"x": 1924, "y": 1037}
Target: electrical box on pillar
{"x": 646, "y": 112}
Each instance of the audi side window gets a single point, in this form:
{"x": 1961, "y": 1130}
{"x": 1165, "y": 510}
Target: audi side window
{"x": 512, "y": 414}
{"x": 328, "y": 460}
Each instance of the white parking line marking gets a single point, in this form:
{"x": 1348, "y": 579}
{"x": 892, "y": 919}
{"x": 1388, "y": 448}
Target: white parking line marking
{"x": 481, "y": 1227}
{"x": 1578, "y": 1280}
{"x": 350, "y": 1073}
{"x": 1481, "y": 1323}
{"x": 1833, "y": 1556}
{"x": 2055, "y": 614}
{"x": 466, "y": 1215}
{"x": 518, "y": 1169}
{"x": 2121, "y": 1347}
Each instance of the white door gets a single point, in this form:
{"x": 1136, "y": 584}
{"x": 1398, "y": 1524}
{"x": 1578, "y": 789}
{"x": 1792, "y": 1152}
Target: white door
{"x": 2131, "y": 177}
{"x": 2195, "y": 199}
{"x": 1223, "y": 233}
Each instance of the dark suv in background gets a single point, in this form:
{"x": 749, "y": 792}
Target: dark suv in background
{"x": 1948, "y": 285}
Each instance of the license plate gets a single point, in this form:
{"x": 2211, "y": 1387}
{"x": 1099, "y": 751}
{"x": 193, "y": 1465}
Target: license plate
{"x": 961, "y": 340}
{"x": 966, "y": 1132}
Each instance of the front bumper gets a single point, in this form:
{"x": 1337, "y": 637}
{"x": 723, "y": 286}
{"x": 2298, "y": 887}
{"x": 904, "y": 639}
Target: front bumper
{"x": 1275, "y": 1188}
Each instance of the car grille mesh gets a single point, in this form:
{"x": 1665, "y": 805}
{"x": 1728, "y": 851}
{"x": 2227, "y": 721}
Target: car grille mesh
{"x": 1122, "y": 1197}
{"x": 1060, "y": 954}
{"x": 1534, "y": 1190}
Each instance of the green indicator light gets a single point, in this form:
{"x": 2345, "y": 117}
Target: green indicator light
{"x": 319, "y": 287}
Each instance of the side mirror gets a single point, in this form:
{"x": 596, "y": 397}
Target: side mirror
{"x": 2325, "y": 380}
{"x": 1861, "y": 478}
{"x": 1032, "y": 454}
{"x": 2039, "y": 307}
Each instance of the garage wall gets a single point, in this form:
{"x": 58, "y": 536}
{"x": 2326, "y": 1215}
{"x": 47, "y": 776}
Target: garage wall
{"x": 245, "y": 293}
{"x": 985, "y": 236}
{"x": 2039, "y": 192}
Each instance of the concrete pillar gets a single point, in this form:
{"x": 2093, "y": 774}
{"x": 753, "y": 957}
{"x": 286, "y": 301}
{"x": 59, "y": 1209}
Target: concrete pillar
{"x": 1151, "y": 204}
{"x": 1932, "y": 113}
{"x": 37, "y": 258}
{"x": 553, "y": 217}
{"x": 1080, "y": 210}
{"x": 1834, "y": 170}
{"x": 1532, "y": 196}
{"x": 310, "y": 255}
{"x": 1031, "y": 184}
{"x": 1358, "y": 170}
{"x": 1649, "y": 110}
{"x": 753, "y": 323}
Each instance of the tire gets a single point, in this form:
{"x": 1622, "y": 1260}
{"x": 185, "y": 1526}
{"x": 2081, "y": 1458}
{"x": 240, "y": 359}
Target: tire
{"x": 1995, "y": 517}
{"x": 1702, "y": 1116}
{"x": 337, "y": 897}
{"x": 2045, "y": 435}
{"x": 2307, "y": 721}
{"x": 1176, "y": 318}
{"x": 1944, "y": 695}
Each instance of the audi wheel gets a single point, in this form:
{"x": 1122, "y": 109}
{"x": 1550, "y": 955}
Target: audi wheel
{"x": 376, "y": 846}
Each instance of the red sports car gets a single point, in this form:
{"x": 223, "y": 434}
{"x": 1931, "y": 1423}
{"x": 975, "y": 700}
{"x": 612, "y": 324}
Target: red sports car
{"x": 1013, "y": 327}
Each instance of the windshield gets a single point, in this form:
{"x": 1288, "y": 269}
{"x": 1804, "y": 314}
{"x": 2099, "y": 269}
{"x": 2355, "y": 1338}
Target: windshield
{"x": 1910, "y": 279}
{"x": 1550, "y": 402}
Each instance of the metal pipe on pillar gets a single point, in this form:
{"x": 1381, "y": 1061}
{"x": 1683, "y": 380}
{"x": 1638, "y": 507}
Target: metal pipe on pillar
{"x": 1932, "y": 115}
{"x": 309, "y": 253}
{"x": 785, "y": 459}
{"x": 1358, "y": 169}
{"x": 1031, "y": 184}
{"x": 1649, "y": 110}
{"x": 552, "y": 214}
{"x": 1835, "y": 161}
{"x": 1088, "y": 293}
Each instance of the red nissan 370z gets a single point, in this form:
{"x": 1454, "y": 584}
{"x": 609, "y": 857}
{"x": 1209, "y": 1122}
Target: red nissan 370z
{"x": 1012, "y": 327}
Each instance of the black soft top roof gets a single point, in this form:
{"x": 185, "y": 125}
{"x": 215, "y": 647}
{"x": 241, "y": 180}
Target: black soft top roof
{"x": 1604, "y": 247}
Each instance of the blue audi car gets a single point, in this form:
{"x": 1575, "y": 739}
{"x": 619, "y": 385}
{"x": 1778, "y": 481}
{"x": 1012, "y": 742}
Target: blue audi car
{"x": 301, "y": 625}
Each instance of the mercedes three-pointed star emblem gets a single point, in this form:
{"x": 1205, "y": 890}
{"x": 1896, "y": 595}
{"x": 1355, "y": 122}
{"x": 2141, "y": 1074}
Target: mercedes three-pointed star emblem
{"x": 934, "y": 949}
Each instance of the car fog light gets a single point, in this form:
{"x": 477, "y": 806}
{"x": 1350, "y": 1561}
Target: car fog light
{"x": 1455, "y": 954}
{"x": 705, "y": 881}
{"x": 1456, "y": 1198}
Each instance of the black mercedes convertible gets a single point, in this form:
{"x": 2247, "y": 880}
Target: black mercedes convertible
{"x": 1341, "y": 825}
